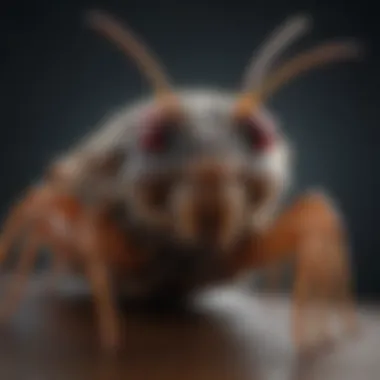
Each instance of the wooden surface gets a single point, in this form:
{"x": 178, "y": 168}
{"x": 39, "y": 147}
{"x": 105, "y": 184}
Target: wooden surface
{"x": 228, "y": 334}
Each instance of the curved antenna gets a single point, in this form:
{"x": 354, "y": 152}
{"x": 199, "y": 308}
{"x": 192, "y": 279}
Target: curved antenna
{"x": 327, "y": 53}
{"x": 278, "y": 41}
{"x": 125, "y": 39}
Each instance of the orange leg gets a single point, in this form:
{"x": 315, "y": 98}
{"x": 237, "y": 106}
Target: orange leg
{"x": 24, "y": 267}
{"x": 80, "y": 234}
{"x": 311, "y": 233}
{"x": 105, "y": 306}
{"x": 94, "y": 240}
{"x": 17, "y": 221}
{"x": 339, "y": 286}
{"x": 310, "y": 294}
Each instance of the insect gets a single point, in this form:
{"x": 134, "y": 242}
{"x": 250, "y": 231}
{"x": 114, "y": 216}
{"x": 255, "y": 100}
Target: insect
{"x": 184, "y": 189}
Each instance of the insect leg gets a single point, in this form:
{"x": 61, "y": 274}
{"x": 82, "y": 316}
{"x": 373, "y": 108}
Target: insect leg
{"x": 18, "y": 281}
{"x": 94, "y": 243}
{"x": 343, "y": 292}
{"x": 14, "y": 224}
{"x": 311, "y": 275}
{"x": 300, "y": 296}
{"x": 100, "y": 281}
{"x": 302, "y": 232}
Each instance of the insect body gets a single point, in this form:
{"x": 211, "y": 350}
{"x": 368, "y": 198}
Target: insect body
{"x": 183, "y": 189}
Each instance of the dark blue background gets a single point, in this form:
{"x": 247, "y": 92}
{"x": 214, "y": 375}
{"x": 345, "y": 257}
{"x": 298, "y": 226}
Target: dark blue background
{"x": 59, "y": 79}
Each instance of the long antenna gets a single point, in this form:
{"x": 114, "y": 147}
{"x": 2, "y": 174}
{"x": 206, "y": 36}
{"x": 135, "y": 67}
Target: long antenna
{"x": 321, "y": 55}
{"x": 327, "y": 53}
{"x": 125, "y": 39}
{"x": 278, "y": 41}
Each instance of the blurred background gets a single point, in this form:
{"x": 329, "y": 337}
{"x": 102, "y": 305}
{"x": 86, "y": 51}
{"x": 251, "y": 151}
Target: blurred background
{"x": 59, "y": 79}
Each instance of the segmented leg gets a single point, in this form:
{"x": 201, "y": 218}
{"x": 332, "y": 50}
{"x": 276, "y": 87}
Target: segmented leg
{"x": 312, "y": 233}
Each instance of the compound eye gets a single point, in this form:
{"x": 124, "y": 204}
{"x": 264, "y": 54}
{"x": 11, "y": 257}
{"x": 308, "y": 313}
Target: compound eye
{"x": 256, "y": 135}
{"x": 159, "y": 133}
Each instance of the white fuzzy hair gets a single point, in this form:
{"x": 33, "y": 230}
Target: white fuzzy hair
{"x": 121, "y": 129}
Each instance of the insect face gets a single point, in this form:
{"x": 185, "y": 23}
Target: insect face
{"x": 198, "y": 176}
{"x": 203, "y": 161}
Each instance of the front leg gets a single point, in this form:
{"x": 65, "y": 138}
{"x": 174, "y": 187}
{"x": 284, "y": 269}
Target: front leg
{"x": 108, "y": 255}
{"x": 105, "y": 305}
{"x": 92, "y": 242}
{"x": 312, "y": 233}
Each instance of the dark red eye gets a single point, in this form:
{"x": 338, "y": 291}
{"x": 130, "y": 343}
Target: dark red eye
{"x": 256, "y": 135}
{"x": 158, "y": 133}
